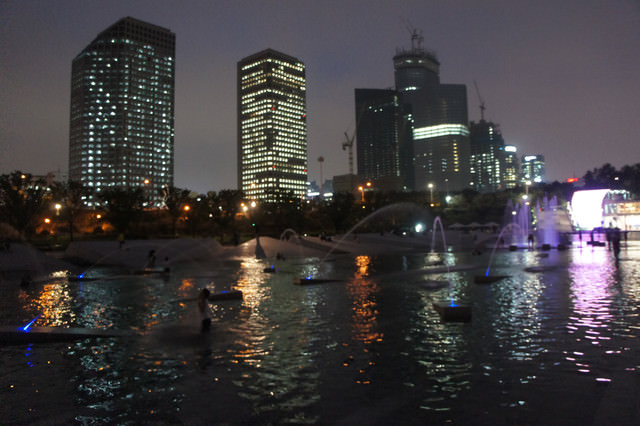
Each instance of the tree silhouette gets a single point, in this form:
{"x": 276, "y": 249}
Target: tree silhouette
{"x": 69, "y": 194}
{"x": 22, "y": 199}
{"x": 123, "y": 206}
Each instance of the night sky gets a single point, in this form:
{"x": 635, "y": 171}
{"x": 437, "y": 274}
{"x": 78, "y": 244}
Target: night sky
{"x": 561, "y": 78}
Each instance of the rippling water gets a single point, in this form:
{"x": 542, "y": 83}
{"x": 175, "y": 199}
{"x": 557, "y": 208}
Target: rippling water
{"x": 554, "y": 344}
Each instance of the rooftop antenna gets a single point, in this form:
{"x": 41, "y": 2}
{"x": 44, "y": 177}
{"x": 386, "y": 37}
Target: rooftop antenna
{"x": 482, "y": 107}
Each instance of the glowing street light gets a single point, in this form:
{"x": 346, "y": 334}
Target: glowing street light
{"x": 431, "y": 191}
{"x": 361, "y": 188}
{"x": 57, "y": 206}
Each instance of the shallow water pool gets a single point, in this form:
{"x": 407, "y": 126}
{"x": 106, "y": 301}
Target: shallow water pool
{"x": 557, "y": 345}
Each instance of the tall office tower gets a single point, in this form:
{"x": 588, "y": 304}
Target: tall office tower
{"x": 511, "y": 167}
{"x": 533, "y": 168}
{"x": 272, "y": 127}
{"x": 441, "y": 146}
{"x": 384, "y": 137}
{"x": 487, "y": 156}
{"x": 122, "y": 110}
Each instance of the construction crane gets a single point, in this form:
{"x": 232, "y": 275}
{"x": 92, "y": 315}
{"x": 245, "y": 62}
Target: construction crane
{"x": 482, "y": 107}
{"x": 416, "y": 36}
{"x": 348, "y": 143}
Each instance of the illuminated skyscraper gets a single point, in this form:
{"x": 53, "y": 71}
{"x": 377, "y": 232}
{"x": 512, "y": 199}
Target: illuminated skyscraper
{"x": 511, "y": 167}
{"x": 122, "y": 110}
{"x": 384, "y": 139}
{"x": 533, "y": 168}
{"x": 272, "y": 127}
{"x": 487, "y": 156}
{"x": 439, "y": 111}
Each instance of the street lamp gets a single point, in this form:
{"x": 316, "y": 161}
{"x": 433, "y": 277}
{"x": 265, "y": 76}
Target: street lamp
{"x": 321, "y": 160}
{"x": 361, "y": 189}
{"x": 57, "y": 206}
{"x": 431, "y": 191}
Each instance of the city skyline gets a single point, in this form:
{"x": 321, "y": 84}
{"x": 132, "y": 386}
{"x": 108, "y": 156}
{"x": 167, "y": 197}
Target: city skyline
{"x": 559, "y": 79}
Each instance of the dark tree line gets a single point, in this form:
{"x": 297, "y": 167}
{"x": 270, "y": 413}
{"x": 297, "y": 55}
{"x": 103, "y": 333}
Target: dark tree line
{"x": 607, "y": 176}
{"x": 24, "y": 200}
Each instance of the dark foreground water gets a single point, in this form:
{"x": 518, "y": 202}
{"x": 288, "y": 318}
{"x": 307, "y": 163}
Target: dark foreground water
{"x": 558, "y": 345}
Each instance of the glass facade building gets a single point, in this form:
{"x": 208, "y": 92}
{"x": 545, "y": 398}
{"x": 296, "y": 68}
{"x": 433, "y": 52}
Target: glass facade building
{"x": 533, "y": 168}
{"x": 487, "y": 156}
{"x": 272, "y": 127}
{"x": 441, "y": 146}
{"x": 511, "y": 167}
{"x": 384, "y": 148}
{"x": 122, "y": 110}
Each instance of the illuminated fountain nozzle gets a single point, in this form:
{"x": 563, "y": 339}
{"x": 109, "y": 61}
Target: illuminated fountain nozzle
{"x": 488, "y": 279}
{"x": 29, "y": 324}
{"x": 450, "y": 311}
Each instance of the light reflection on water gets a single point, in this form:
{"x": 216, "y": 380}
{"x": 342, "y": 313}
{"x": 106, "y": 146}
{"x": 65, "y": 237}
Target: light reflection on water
{"x": 366, "y": 349}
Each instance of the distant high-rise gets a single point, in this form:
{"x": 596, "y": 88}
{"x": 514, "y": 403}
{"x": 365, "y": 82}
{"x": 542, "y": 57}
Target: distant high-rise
{"x": 533, "y": 168}
{"x": 487, "y": 156}
{"x": 122, "y": 110}
{"x": 511, "y": 168}
{"x": 272, "y": 127}
{"x": 422, "y": 122}
{"x": 440, "y": 134}
{"x": 384, "y": 139}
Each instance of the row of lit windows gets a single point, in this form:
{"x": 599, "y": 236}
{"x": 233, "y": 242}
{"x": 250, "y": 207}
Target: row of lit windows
{"x": 267, "y": 106}
{"x": 280, "y": 75}
{"x": 248, "y": 94}
{"x": 440, "y": 130}
{"x": 298, "y": 66}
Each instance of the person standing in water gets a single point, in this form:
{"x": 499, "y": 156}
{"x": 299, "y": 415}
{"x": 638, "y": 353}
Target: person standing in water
{"x": 205, "y": 311}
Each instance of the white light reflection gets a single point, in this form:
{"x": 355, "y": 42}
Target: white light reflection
{"x": 592, "y": 275}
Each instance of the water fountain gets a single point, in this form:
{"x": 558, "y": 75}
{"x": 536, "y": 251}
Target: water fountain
{"x": 284, "y": 236}
{"x": 448, "y": 309}
{"x": 520, "y": 220}
{"x": 548, "y": 234}
{"x": 486, "y": 278}
{"x": 401, "y": 207}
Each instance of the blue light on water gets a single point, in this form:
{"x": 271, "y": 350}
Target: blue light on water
{"x": 224, "y": 291}
{"x": 29, "y": 324}
{"x": 453, "y": 304}
{"x": 486, "y": 274}
{"x": 81, "y": 275}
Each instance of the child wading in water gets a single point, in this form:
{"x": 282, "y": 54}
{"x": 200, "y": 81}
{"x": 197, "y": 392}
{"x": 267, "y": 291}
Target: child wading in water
{"x": 205, "y": 312}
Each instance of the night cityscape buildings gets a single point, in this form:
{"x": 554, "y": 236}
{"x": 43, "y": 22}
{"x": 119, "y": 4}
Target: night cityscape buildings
{"x": 272, "y": 127}
{"x": 414, "y": 137}
{"x": 384, "y": 137}
{"x": 487, "y": 162}
{"x": 511, "y": 168}
{"x": 440, "y": 119}
{"x": 122, "y": 110}
{"x": 437, "y": 113}
{"x": 533, "y": 168}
